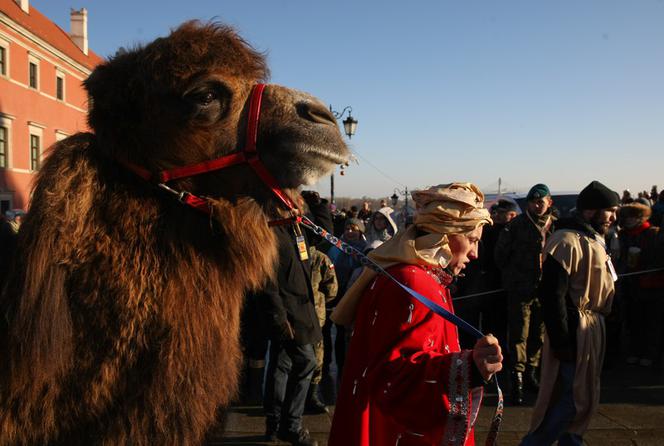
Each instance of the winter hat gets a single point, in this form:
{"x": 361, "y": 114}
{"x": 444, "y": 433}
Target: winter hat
{"x": 538, "y": 191}
{"x": 643, "y": 200}
{"x": 357, "y": 222}
{"x": 635, "y": 210}
{"x": 506, "y": 206}
{"x": 597, "y": 196}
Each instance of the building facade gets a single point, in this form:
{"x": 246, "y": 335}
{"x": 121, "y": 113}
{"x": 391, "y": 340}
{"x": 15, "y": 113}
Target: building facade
{"x": 42, "y": 99}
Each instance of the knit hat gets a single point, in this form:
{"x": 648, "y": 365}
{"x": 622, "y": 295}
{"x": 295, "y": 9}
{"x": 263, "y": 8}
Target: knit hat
{"x": 506, "y": 206}
{"x": 597, "y": 196}
{"x": 538, "y": 191}
{"x": 357, "y": 222}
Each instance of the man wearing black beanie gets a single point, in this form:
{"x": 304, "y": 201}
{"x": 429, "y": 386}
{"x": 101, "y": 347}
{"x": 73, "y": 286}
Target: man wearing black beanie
{"x": 597, "y": 196}
{"x": 576, "y": 293}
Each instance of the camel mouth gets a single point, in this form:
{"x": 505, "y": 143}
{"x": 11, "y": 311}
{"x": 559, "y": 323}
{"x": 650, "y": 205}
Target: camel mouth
{"x": 315, "y": 160}
{"x": 310, "y": 155}
{"x": 301, "y": 164}
{"x": 320, "y": 154}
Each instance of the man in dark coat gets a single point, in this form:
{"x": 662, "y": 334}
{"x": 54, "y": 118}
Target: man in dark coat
{"x": 483, "y": 275}
{"x": 256, "y": 315}
{"x": 288, "y": 303}
{"x": 518, "y": 253}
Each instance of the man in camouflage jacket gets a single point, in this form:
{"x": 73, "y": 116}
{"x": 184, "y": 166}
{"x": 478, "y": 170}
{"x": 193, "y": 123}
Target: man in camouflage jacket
{"x": 324, "y": 285}
{"x": 518, "y": 253}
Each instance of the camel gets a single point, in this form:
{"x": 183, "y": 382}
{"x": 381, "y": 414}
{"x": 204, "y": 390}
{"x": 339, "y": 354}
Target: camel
{"x": 120, "y": 313}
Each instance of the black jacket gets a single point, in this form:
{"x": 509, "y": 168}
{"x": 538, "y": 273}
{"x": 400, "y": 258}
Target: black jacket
{"x": 290, "y": 297}
{"x": 517, "y": 254}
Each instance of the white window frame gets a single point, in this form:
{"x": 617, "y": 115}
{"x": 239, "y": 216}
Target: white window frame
{"x": 6, "y": 122}
{"x": 60, "y": 135}
{"x": 4, "y": 44}
{"x": 59, "y": 74}
{"x": 34, "y": 60}
{"x": 36, "y": 130}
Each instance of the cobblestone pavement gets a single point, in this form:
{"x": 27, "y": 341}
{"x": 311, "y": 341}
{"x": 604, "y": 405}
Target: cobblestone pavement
{"x": 631, "y": 413}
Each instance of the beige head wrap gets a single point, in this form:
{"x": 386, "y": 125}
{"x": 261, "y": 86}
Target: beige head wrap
{"x": 456, "y": 208}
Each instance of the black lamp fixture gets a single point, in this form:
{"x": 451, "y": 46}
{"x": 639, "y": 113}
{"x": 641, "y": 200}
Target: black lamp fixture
{"x": 350, "y": 125}
{"x": 394, "y": 198}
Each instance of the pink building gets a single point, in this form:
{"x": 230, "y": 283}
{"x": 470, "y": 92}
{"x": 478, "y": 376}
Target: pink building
{"x": 42, "y": 99}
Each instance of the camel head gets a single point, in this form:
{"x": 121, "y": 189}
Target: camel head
{"x": 183, "y": 99}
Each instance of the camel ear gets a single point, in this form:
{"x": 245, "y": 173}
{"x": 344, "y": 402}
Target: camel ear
{"x": 113, "y": 92}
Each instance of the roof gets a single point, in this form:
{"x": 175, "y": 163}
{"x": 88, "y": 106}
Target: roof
{"x": 41, "y": 26}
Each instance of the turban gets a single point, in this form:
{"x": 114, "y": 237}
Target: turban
{"x": 446, "y": 209}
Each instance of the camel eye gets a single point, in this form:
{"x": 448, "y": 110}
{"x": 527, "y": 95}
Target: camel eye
{"x": 208, "y": 102}
{"x": 207, "y": 97}
{"x": 204, "y": 98}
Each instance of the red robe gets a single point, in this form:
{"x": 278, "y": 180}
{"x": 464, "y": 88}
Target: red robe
{"x": 403, "y": 369}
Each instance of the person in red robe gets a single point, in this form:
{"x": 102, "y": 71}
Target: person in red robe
{"x": 406, "y": 381}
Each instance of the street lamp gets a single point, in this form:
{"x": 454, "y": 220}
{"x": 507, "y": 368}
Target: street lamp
{"x": 350, "y": 125}
{"x": 395, "y": 198}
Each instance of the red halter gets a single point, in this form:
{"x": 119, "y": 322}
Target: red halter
{"x": 247, "y": 155}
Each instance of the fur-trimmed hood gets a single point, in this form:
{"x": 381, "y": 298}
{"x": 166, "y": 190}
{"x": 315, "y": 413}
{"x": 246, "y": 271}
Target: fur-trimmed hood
{"x": 637, "y": 211}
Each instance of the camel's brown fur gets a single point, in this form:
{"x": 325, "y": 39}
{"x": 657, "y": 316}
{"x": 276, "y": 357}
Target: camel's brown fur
{"x": 121, "y": 314}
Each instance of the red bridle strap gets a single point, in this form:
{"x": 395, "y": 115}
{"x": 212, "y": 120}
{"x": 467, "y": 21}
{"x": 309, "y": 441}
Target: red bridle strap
{"x": 247, "y": 155}
{"x": 285, "y": 221}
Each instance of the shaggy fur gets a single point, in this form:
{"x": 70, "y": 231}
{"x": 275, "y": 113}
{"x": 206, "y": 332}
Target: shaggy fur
{"x": 638, "y": 211}
{"x": 121, "y": 313}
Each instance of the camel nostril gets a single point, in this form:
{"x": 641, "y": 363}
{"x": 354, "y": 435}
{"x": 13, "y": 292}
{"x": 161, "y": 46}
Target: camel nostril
{"x": 315, "y": 112}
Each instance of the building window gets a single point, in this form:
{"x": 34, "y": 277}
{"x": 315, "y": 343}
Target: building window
{"x": 34, "y": 74}
{"x": 34, "y": 152}
{"x": 60, "y": 86}
{"x": 4, "y": 144}
{"x": 60, "y": 135}
{"x": 3, "y": 61}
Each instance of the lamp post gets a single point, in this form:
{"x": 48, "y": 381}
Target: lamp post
{"x": 395, "y": 199}
{"x": 350, "y": 125}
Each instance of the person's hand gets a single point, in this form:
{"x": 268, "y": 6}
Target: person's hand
{"x": 488, "y": 356}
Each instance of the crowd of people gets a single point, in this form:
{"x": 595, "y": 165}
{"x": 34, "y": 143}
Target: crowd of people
{"x": 559, "y": 297}
{"x": 533, "y": 284}
{"x": 523, "y": 289}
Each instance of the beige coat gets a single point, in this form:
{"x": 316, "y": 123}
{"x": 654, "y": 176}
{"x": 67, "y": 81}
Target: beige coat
{"x": 591, "y": 289}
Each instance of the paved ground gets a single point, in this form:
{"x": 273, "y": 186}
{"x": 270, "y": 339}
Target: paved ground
{"x": 631, "y": 413}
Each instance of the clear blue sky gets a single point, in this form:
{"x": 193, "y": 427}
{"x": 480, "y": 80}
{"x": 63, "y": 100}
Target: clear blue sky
{"x": 561, "y": 92}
